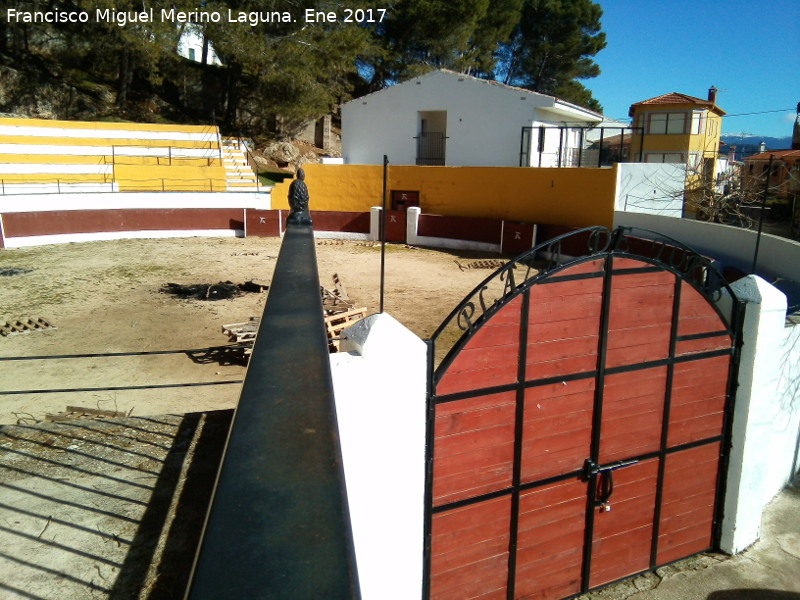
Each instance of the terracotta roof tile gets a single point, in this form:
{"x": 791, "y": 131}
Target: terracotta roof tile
{"x": 677, "y": 98}
{"x": 673, "y": 98}
{"x": 780, "y": 154}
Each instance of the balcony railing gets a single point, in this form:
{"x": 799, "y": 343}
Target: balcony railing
{"x": 279, "y": 525}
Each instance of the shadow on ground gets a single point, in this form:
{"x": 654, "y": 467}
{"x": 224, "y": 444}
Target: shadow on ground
{"x": 753, "y": 595}
{"x": 105, "y": 508}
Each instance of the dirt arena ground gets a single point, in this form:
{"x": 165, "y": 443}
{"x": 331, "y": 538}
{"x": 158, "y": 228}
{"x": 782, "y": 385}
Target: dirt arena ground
{"x": 105, "y": 297}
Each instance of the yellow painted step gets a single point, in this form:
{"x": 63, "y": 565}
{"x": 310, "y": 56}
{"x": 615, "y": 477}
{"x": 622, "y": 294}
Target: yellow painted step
{"x": 55, "y": 178}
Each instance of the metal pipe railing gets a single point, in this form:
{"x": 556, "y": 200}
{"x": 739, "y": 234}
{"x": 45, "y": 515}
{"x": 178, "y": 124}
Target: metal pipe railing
{"x": 279, "y": 524}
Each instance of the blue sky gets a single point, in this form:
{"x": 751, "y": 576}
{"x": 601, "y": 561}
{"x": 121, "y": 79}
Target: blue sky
{"x": 749, "y": 50}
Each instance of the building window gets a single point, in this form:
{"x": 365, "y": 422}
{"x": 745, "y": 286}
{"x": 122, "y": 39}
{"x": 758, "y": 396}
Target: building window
{"x": 664, "y": 157}
{"x": 698, "y": 123}
{"x": 667, "y": 123}
{"x": 191, "y": 54}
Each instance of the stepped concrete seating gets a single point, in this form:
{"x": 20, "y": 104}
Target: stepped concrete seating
{"x": 239, "y": 173}
{"x": 39, "y": 156}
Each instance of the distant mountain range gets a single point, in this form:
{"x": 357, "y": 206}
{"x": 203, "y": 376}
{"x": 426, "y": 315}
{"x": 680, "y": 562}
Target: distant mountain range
{"x": 748, "y": 144}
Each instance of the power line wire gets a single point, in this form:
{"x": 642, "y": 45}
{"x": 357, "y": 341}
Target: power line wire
{"x": 762, "y": 112}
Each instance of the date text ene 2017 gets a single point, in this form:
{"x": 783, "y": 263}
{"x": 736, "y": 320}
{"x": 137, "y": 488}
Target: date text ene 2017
{"x": 359, "y": 15}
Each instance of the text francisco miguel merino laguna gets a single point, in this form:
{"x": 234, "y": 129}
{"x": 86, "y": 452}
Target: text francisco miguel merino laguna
{"x": 252, "y": 18}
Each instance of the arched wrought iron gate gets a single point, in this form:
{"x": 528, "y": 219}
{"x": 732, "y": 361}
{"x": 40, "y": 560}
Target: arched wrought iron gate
{"x": 578, "y": 418}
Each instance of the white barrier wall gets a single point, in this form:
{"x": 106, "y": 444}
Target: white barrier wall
{"x": 655, "y": 188}
{"x": 766, "y": 422}
{"x": 132, "y": 200}
{"x": 36, "y": 219}
{"x": 379, "y": 382}
{"x": 777, "y": 256}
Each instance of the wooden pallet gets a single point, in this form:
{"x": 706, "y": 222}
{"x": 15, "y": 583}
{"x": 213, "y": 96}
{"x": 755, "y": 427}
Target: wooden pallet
{"x": 80, "y": 412}
{"x": 335, "y": 324}
{"x": 335, "y": 301}
{"x": 243, "y": 334}
{"x": 336, "y": 306}
{"x": 482, "y": 264}
{"x": 23, "y": 326}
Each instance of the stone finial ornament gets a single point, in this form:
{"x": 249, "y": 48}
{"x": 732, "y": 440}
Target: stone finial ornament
{"x": 298, "y": 200}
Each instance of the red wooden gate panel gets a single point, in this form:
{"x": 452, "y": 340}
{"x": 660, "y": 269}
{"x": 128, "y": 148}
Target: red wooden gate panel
{"x": 395, "y": 226}
{"x": 577, "y": 426}
{"x": 551, "y": 539}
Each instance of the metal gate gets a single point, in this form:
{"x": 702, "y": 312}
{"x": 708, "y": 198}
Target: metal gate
{"x": 578, "y": 418}
{"x": 431, "y": 148}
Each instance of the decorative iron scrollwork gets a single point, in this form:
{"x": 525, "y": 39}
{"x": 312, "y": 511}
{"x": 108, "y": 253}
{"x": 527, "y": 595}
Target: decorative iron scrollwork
{"x": 465, "y": 315}
{"x": 542, "y": 261}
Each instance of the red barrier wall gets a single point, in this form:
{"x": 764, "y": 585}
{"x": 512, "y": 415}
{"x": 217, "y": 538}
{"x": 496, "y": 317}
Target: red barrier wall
{"x": 263, "y": 223}
{"x": 460, "y": 228}
{"x": 91, "y": 221}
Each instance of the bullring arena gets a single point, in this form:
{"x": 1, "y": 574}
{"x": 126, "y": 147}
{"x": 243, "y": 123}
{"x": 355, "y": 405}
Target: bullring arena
{"x": 106, "y": 298}
{"x": 78, "y": 197}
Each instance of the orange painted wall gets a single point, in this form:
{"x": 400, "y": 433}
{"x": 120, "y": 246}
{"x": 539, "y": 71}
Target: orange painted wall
{"x": 571, "y": 197}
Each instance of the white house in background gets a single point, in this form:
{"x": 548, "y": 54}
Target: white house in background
{"x": 446, "y": 118}
{"x": 190, "y": 45}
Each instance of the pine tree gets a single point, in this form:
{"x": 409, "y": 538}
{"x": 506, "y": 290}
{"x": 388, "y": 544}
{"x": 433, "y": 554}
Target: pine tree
{"x": 552, "y": 49}
{"x": 422, "y": 35}
{"x": 283, "y": 72}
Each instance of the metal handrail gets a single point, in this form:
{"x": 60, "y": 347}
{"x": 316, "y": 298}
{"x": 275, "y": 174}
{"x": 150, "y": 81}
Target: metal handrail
{"x": 157, "y": 183}
{"x": 279, "y": 524}
{"x": 250, "y": 157}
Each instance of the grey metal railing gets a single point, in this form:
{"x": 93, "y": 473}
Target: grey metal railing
{"x": 279, "y": 525}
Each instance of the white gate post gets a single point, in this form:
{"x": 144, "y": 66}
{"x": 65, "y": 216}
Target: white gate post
{"x": 752, "y": 456}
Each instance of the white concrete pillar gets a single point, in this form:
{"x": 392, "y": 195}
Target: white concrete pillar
{"x": 412, "y": 225}
{"x": 752, "y": 457}
{"x": 375, "y": 223}
{"x": 379, "y": 381}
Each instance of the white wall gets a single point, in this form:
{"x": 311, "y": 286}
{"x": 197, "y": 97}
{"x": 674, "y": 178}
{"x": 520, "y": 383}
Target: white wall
{"x": 777, "y": 256}
{"x": 116, "y": 200}
{"x": 766, "y": 422}
{"x": 380, "y": 391}
{"x": 650, "y": 188}
{"x": 484, "y": 121}
{"x": 107, "y": 150}
{"x": 38, "y": 130}
{"x": 192, "y": 38}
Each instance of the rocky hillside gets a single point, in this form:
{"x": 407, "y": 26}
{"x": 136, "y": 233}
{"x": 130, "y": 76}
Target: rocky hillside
{"x": 39, "y": 88}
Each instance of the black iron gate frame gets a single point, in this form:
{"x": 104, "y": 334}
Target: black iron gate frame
{"x": 667, "y": 254}
{"x": 527, "y": 138}
{"x": 431, "y": 148}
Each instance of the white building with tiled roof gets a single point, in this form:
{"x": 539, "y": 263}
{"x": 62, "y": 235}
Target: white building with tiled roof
{"x": 447, "y": 118}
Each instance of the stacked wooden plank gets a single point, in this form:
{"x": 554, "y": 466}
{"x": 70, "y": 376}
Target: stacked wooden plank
{"x": 80, "y": 412}
{"x": 244, "y": 335}
{"x": 22, "y": 326}
{"x": 337, "y": 309}
{"x": 335, "y": 324}
{"x": 336, "y": 300}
